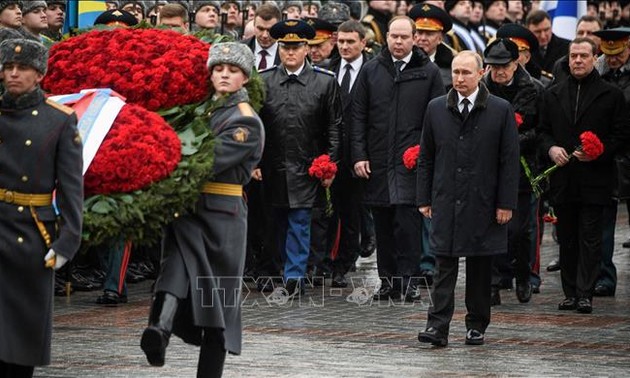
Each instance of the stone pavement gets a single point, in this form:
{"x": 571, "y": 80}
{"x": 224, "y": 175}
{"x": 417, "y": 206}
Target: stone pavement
{"x": 341, "y": 333}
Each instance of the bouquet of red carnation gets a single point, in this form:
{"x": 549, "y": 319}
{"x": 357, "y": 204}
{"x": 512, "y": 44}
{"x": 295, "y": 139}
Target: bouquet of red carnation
{"x": 155, "y": 68}
{"x": 140, "y": 149}
{"x": 519, "y": 119}
{"x": 589, "y": 144}
{"x": 550, "y": 217}
{"x": 324, "y": 169}
{"x": 410, "y": 157}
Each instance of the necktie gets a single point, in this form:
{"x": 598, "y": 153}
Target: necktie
{"x": 398, "y": 64}
{"x": 465, "y": 111}
{"x": 345, "y": 82}
{"x": 263, "y": 60}
{"x": 293, "y": 78}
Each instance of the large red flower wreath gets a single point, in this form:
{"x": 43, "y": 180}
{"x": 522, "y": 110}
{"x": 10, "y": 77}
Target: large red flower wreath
{"x": 140, "y": 148}
{"x": 155, "y": 68}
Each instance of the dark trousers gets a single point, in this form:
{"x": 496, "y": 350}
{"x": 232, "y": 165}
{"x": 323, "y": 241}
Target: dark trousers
{"x": 347, "y": 197}
{"x": 608, "y": 272}
{"x": 478, "y": 277}
{"x": 263, "y": 256}
{"x": 8, "y": 370}
{"x": 398, "y": 241}
{"x": 580, "y": 235}
{"x": 517, "y": 260}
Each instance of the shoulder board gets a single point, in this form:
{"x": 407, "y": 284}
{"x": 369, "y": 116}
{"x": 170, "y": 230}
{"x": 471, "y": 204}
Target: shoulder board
{"x": 245, "y": 109}
{"x": 449, "y": 48}
{"x": 321, "y": 70}
{"x": 546, "y": 74}
{"x": 368, "y": 18}
{"x": 268, "y": 69}
{"x": 60, "y": 107}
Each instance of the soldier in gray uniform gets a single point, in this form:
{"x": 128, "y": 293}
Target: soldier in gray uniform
{"x": 40, "y": 152}
{"x": 204, "y": 251}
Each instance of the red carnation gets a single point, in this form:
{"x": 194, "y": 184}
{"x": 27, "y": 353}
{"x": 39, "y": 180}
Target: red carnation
{"x": 140, "y": 149}
{"x": 323, "y": 168}
{"x": 591, "y": 145}
{"x": 410, "y": 157}
{"x": 168, "y": 71}
{"x": 519, "y": 119}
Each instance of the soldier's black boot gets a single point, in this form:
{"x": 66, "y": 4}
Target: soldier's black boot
{"x": 155, "y": 337}
{"x": 212, "y": 354}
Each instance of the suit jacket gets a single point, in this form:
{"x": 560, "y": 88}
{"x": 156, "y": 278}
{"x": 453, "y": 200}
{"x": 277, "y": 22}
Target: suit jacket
{"x": 251, "y": 42}
{"x": 556, "y": 49}
{"x": 346, "y": 107}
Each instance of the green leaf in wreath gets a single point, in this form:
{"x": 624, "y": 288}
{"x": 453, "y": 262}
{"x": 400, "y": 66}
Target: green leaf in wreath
{"x": 102, "y": 207}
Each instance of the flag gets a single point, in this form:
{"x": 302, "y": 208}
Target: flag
{"x": 82, "y": 14}
{"x": 564, "y": 15}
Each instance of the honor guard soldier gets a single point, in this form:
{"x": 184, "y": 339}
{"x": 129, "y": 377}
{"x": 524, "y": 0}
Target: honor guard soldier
{"x": 302, "y": 116}
{"x": 40, "y": 153}
{"x": 431, "y": 25}
{"x": 203, "y": 252}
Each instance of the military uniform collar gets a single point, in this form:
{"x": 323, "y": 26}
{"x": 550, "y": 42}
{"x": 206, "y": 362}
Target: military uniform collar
{"x": 25, "y": 101}
{"x": 300, "y": 74}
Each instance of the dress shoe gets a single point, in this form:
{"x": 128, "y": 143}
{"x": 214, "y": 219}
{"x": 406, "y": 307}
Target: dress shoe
{"x": 386, "y": 292}
{"x": 413, "y": 293}
{"x": 426, "y": 278}
{"x": 523, "y": 292}
{"x": 339, "y": 280}
{"x": 569, "y": 303}
{"x": 626, "y": 244}
{"x": 584, "y": 306}
{"x": 368, "y": 247}
{"x": 536, "y": 288}
{"x": 553, "y": 266}
{"x": 433, "y": 336}
{"x": 495, "y": 296}
{"x": 474, "y": 337}
{"x": 111, "y": 298}
{"x": 294, "y": 287}
{"x": 602, "y": 290}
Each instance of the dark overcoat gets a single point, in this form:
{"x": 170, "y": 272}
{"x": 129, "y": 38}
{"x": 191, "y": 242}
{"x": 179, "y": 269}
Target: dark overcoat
{"x": 600, "y": 109}
{"x": 388, "y": 110}
{"x": 40, "y": 151}
{"x": 212, "y": 239}
{"x": 302, "y": 118}
{"x": 467, "y": 170}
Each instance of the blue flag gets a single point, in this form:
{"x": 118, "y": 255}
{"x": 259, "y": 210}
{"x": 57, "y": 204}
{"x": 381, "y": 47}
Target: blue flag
{"x": 564, "y": 15}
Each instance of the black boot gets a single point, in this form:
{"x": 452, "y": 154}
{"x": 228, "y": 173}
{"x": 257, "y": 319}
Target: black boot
{"x": 212, "y": 354}
{"x": 155, "y": 337}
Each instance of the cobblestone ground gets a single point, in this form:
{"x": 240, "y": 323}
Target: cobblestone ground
{"x": 334, "y": 333}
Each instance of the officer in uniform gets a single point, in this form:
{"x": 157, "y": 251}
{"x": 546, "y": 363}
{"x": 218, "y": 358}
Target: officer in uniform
{"x": 203, "y": 252}
{"x": 527, "y": 43}
{"x": 56, "y": 15}
{"x": 302, "y": 116}
{"x": 431, "y": 25}
{"x": 322, "y": 47}
{"x": 40, "y": 152}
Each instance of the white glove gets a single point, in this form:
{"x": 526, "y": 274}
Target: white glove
{"x": 54, "y": 261}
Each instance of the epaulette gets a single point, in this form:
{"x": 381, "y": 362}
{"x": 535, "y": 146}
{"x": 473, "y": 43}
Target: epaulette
{"x": 546, "y": 74}
{"x": 60, "y": 107}
{"x": 245, "y": 109}
{"x": 452, "y": 50}
{"x": 268, "y": 69}
{"x": 367, "y": 19}
{"x": 321, "y": 70}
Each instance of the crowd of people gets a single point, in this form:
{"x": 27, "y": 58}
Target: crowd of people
{"x": 483, "y": 92}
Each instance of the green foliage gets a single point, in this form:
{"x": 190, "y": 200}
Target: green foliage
{"x": 140, "y": 216}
